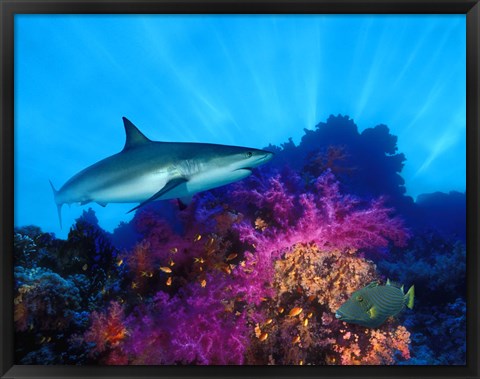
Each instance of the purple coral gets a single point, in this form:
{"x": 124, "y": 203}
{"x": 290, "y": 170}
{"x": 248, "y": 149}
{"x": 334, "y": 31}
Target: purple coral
{"x": 196, "y": 326}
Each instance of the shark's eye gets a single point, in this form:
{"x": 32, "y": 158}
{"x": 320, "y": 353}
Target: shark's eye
{"x": 249, "y": 154}
{"x": 359, "y": 298}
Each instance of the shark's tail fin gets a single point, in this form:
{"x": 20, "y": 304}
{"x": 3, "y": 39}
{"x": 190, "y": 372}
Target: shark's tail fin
{"x": 59, "y": 205}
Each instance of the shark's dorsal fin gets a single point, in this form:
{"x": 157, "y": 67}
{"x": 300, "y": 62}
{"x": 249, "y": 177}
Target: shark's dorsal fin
{"x": 134, "y": 137}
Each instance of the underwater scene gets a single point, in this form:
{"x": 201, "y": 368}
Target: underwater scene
{"x": 241, "y": 190}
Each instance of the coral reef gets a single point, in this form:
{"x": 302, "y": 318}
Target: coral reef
{"x": 252, "y": 273}
{"x": 44, "y": 300}
{"x": 301, "y": 327}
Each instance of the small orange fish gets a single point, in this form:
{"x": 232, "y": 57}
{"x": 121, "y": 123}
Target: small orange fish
{"x": 258, "y": 331}
{"x": 300, "y": 363}
{"x": 231, "y": 256}
{"x": 305, "y": 322}
{"x": 269, "y": 321}
{"x": 310, "y": 315}
{"x": 197, "y": 238}
{"x": 295, "y": 340}
{"x": 263, "y": 336}
{"x": 210, "y": 242}
{"x": 281, "y": 310}
{"x": 260, "y": 224}
{"x": 311, "y": 298}
{"x": 295, "y": 311}
{"x": 199, "y": 260}
{"x": 168, "y": 270}
{"x": 203, "y": 283}
{"x": 174, "y": 250}
{"x": 150, "y": 274}
{"x": 226, "y": 269}
{"x": 169, "y": 281}
{"x": 120, "y": 262}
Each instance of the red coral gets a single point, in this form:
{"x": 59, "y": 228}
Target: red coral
{"x": 107, "y": 329}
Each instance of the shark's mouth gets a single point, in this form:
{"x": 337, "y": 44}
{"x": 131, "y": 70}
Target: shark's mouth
{"x": 244, "y": 168}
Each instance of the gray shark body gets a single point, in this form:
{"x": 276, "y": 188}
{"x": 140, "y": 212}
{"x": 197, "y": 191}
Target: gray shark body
{"x": 146, "y": 171}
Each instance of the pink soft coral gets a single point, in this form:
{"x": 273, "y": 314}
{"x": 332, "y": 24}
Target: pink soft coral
{"x": 276, "y": 246}
{"x": 345, "y": 222}
{"x": 197, "y": 326}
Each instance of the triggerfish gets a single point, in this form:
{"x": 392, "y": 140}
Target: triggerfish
{"x": 373, "y": 304}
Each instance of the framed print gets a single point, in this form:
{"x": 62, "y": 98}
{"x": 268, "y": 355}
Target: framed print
{"x": 240, "y": 189}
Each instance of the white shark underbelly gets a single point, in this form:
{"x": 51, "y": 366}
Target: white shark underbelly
{"x": 204, "y": 181}
{"x": 143, "y": 188}
{"x": 130, "y": 191}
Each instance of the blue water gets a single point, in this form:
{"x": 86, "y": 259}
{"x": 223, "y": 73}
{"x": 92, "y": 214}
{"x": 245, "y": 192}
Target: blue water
{"x": 243, "y": 80}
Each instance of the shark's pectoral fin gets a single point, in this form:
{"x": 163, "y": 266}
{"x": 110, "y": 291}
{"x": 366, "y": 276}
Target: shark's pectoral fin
{"x": 102, "y": 204}
{"x": 168, "y": 187}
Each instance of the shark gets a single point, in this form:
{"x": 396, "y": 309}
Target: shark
{"x": 145, "y": 171}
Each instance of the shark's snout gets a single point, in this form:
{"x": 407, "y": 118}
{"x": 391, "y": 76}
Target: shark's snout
{"x": 267, "y": 156}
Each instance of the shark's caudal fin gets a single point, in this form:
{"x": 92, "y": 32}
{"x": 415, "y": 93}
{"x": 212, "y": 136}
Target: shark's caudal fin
{"x": 59, "y": 205}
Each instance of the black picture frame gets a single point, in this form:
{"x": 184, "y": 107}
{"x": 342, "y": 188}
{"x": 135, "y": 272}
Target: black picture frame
{"x": 8, "y": 8}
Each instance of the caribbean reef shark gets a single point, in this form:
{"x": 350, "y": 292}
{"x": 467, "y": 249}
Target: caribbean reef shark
{"x": 145, "y": 171}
